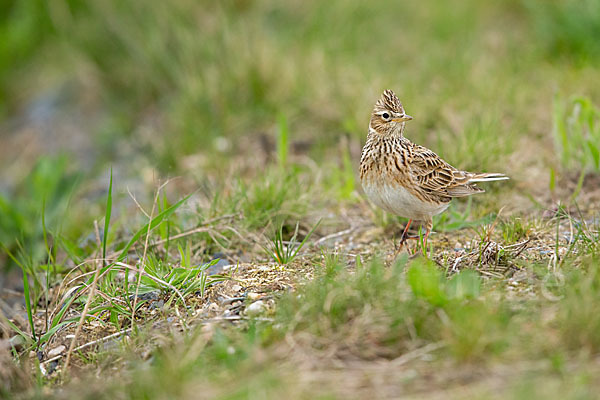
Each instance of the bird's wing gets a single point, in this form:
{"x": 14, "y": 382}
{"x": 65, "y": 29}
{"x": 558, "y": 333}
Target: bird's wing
{"x": 435, "y": 176}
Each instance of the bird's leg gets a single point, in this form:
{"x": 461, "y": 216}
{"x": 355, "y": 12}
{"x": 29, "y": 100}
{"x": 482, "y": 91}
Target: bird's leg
{"x": 405, "y": 233}
{"x": 425, "y": 240}
{"x": 403, "y": 239}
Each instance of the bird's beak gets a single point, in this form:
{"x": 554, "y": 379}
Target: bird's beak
{"x": 403, "y": 118}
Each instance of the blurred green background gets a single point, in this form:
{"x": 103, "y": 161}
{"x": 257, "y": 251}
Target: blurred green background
{"x": 198, "y": 88}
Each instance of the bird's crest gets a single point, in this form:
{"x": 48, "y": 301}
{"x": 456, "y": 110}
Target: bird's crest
{"x": 390, "y": 101}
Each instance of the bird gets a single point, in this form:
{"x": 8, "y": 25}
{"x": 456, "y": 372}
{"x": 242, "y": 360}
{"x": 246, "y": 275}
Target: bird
{"x": 406, "y": 179}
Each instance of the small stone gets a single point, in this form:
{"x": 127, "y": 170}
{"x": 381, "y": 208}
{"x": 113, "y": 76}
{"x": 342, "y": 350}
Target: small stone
{"x": 236, "y": 288}
{"x": 253, "y": 296}
{"x": 146, "y": 296}
{"x": 157, "y": 305}
{"x": 219, "y": 266}
{"x": 52, "y": 367}
{"x": 256, "y": 308}
{"x": 56, "y": 351}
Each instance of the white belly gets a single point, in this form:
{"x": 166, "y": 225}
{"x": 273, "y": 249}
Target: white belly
{"x": 399, "y": 201}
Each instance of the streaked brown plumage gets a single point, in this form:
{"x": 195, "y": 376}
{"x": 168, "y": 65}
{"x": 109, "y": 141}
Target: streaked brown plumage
{"x": 404, "y": 178}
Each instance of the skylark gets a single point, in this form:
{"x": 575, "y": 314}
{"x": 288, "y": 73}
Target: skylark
{"x": 406, "y": 179}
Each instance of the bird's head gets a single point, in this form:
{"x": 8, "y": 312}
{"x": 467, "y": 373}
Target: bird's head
{"x": 388, "y": 117}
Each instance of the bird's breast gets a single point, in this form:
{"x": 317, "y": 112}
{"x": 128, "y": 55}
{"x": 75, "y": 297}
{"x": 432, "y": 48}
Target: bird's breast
{"x": 398, "y": 200}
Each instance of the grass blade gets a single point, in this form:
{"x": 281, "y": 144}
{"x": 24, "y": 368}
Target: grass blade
{"x": 25, "y": 290}
{"x": 297, "y": 250}
{"x": 595, "y": 152}
{"x": 107, "y": 218}
{"x": 28, "y": 304}
{"x": 282, "y": 140}
{"x": 152, "y": 224}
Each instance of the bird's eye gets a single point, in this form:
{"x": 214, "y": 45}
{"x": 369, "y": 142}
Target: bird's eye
{"x": 385, "y": 115}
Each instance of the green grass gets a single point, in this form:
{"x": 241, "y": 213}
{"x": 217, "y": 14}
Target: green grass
{"x": 256, "y": 113}
{"x": 577, "y": 323}
{"x": 45, "y": 192}
{"x": 577, "y": 134}
{"x": 566, "y": 28}
{"x": 374, "y": 313}
{"x": 282, "y": 252}
{"x": 516, "y": 229}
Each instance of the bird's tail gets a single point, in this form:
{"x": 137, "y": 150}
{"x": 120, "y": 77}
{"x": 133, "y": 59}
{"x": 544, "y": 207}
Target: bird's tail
{"x": 488, "y": 177}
